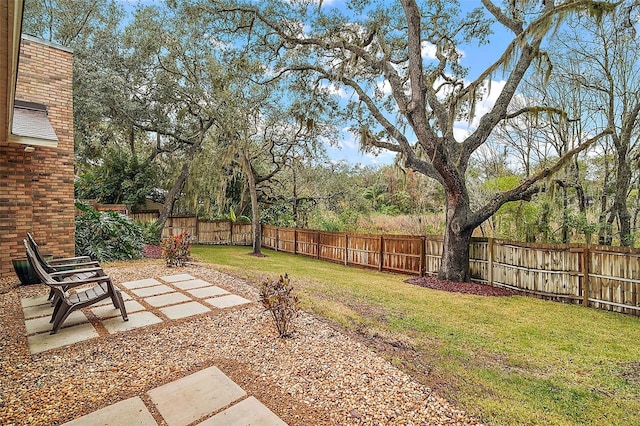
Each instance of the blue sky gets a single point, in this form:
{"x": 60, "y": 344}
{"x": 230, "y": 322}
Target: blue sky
{"x": 474, "y": 57}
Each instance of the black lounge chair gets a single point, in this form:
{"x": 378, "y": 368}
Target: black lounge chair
{"x": 63, "y": 264}
{"x": 67, "y": 302}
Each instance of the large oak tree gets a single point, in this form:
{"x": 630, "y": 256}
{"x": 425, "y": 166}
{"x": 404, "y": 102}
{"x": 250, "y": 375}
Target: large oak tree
{"x": 403, "y": 99}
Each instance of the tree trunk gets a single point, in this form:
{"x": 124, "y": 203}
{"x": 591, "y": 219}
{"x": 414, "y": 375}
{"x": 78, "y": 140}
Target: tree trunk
{"x": 565, "y": 216}
{"x": 623, "y": 182}
{"x": 455, "y": 256}
{"x": 255, "y": 208}
{"x": 454, "y": 264}
{"x": 176, "y": 189}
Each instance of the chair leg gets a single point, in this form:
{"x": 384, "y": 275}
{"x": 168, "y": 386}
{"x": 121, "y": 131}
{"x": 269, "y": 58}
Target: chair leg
{"x": 118, "y": 302}
{"x": 56, "y": 309}
{"x": 60, "y": 317}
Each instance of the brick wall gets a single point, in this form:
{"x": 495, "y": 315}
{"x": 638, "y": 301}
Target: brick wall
{"x": 5, "y": 72}
{"x": 36, "y": 189}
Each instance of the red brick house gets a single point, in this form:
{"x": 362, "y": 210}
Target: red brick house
{"x": 36, "y": 142}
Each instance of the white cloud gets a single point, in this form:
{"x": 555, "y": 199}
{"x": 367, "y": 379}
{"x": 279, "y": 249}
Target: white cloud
{"x": 428, "y": 50}
{"x": 384, "y": 87}
{"x": 462, "y": 129}
{"x": 335, "y": 89}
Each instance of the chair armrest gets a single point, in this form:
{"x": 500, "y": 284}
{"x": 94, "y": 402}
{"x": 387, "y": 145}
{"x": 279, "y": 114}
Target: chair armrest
{"x": 72, "y": 272}
{"x": 74, "y": 266}
{"x": 77, "y": 283}
{"x": 69, "y": 260}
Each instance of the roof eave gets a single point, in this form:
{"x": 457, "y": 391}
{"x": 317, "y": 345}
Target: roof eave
{"x": 14, "y": 56}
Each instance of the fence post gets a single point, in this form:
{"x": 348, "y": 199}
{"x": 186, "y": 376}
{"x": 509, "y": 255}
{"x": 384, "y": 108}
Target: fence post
{"x": 423, "y": 255}
{"x": 381, "y": 253}
{"x": 585, "y": 276}
{"x": 230, "y": 232}
{"x": 490, "y": 261}
{"x": 318, "y": 245}
{"x": 277, "y": 238}
{"x": 346, "y": 249}
{"x": 295, "y": 241}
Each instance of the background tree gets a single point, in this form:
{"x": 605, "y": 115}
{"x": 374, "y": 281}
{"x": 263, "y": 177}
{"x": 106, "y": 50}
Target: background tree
{"x": 426, "y": 95}
{"x": 604, "y": 61}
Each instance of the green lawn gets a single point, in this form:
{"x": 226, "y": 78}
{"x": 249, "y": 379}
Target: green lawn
{"x": 513, "y": 360}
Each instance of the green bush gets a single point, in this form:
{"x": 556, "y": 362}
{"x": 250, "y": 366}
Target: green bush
{"x": 106, "y": 236}
{"x": 151, "y": 232}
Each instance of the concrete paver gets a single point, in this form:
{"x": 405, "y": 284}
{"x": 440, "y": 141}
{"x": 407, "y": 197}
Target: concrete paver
{"x": 191, "y": 398}
{"x": 247, "y": 412}
{"x": 110, "y": 311}
{"x": 130, "y": 412}
{"x": 190, "y": 284}
{"x": 227, "y": 301}
{"x": 65, "y": 336}
{"x": 167, "y": 299}
{"x": 184, "y": 310}
{"x": 177, "y": 277}
{"x": 152, "y": 291}
{"x": 147, "y": 282}
{"x": 108, "y": 301}
{"x": 209, "y": 291}
{"x": 38, "y": 311}
{"x": 136, "y": 320}
{"x": 35, "y": 301}
{"x": 42, "y": 324}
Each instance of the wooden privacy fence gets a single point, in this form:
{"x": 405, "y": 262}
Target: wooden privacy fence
{"x": 201, "y": 231}
{"x": 145, "y": 215}
{"x": 209, "y": 231}
{"x": 598, "y": 276}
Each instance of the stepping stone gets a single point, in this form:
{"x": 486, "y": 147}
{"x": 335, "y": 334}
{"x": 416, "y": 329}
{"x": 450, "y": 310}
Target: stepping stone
{"x": 65, "y": 336}
{"x": 208, "y": 292}
{"x": 227, "y": 301}
{"x": 195, "y": 283}
{"x": 35, "y": 301}
{"x": 191, "y": 398}
{"x": 247, "y": 412}
{"x": 137, "y": 320}
{"x": 109, "y": 311}
{"x": 38, "y": 311}
{"x": 131, "y": 411}
{"x": 42, "y": 324}
{"x": 184, "y": 310}
{"x": 108, "y": 301}
{"x": 152, "y": 291}
{"x": 167, "y": 299}
{"x": 148, "y": 282}
{"x": 176, "y": 278}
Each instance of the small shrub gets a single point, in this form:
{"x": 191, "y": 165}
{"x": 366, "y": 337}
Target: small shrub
{"x": 176, "y": 250}
{"x": 151, "y": 232}
{"x": 277, "y": 297}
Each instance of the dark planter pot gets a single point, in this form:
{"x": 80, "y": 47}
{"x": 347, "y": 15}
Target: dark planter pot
{"x": 25, "y": 272}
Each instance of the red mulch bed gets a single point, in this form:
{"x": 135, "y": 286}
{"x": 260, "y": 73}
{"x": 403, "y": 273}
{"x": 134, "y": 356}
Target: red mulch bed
{"x": 152, "y": 252}
{"x": 465, "y": 288}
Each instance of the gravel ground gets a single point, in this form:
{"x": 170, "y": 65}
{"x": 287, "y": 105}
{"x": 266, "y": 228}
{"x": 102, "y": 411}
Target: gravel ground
{"x": 318, "y": 377}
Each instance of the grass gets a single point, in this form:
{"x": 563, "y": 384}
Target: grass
{"x": 508, "y": 361}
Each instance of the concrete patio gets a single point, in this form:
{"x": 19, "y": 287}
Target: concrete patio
{"x": 208, "y": 396}
{"x": 171, "y": 297}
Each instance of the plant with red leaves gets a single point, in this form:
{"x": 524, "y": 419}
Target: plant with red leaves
{"x": 176, "y": 250}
